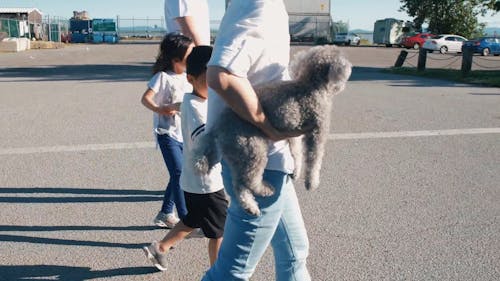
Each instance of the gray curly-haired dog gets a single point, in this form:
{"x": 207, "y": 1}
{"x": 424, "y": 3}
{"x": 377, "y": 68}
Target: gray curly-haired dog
{"x": 301, "y": 105}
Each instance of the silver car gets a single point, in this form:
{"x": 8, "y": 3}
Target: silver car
{"x": 445, "y": 43}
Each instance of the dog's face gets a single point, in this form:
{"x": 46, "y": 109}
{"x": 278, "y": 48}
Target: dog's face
{"x": 339, "y": 72}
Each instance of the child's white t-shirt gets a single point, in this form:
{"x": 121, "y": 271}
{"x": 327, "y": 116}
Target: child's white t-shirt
{"x": 194, "y": 116}
{"x": 169, "y": 87}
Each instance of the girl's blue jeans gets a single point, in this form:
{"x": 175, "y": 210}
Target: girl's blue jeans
{"x": 172, "y": 155}
{"x": 246, "y": 237}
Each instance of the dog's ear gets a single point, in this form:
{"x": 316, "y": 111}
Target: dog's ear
{"x": 339, "y": 73}
{"x": 297, "y": 68}
{"x": 310, "y": 65}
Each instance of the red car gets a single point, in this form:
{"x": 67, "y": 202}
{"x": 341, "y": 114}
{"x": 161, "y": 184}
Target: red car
{"x": 415, "y": 41}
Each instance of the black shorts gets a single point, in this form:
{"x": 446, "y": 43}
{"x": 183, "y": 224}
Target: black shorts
{"x": 206, "y": 211}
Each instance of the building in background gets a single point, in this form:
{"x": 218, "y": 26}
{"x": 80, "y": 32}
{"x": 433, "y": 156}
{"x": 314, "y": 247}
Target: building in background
{"x": 21, "y": 22}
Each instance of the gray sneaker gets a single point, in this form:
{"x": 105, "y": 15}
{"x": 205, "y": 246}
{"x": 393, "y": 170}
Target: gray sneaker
{"x": 158, "y": 258}
{"x": 196, "y": 233}
{"x": 166, "y": 220}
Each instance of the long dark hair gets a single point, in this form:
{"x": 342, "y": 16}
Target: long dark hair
{"x": 173, "y": 46}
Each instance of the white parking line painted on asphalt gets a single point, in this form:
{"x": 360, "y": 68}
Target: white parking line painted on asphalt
{"x": 76, "y": 148}
{"x": 355, "y": 136}
{"x": 408, "y": 134}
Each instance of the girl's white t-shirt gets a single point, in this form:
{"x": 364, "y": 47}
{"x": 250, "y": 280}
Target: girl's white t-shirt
{"x": 197, "y": 9}
{"x": 169, "y": 87}
{"x": 194, "y": 116}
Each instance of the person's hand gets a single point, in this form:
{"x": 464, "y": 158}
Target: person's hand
{"x": 169, "y": 109}
{"x": 276, "y": 135}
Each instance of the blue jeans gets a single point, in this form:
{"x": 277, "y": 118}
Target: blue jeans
{"x": 246, "y": 237}
{"x": 172, "y": 155}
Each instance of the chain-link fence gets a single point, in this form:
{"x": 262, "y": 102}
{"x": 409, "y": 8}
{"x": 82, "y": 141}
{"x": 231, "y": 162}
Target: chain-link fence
{"x": 55, "y": 29}
{"x": 50, "y": 29}
{"x": 141, "y": 27}
{"x": 13, "y": 28}
{"x": 150, "y": 27}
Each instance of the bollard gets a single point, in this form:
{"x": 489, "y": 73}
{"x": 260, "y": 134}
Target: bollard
{"x": 401, "y": 59}
{"x": 467, "y": 55}
{"x": 422, "y": 58}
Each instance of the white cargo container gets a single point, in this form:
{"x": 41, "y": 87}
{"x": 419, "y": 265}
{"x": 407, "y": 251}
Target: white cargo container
{"x": 390, "y": 31}
{"x": 309, "y": 20}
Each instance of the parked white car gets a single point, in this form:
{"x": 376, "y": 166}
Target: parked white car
{"x": 346, "y": 38}
{"x": 445, "y": 43}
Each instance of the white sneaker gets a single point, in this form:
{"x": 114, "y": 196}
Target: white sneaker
{"x": 158, "y": 258}
{"x": 166, "y": 220}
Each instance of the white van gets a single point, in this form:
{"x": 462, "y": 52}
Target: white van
{"x": 346, "y": 38}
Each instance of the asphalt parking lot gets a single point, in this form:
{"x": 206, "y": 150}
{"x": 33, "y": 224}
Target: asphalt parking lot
{"x": 409, "y": 187}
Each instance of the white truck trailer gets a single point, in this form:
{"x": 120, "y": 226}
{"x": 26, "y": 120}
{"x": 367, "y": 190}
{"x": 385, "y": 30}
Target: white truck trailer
{"x": 308, "y": 20}
{"x": 390, "y": 31}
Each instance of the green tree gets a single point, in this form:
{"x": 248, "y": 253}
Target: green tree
{"x": 449, "y": 16}
{"x": 492, "y": 5}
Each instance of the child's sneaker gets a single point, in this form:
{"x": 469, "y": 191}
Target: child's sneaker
{"x": 165, "y": 220}
{"x": 158, "y": 258}
{"x": 196, "y": 233}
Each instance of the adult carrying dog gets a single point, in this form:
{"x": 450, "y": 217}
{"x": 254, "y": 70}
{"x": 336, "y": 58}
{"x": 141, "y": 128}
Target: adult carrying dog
{"x": 252, "y": 48}
{"x": 301, "y": 105}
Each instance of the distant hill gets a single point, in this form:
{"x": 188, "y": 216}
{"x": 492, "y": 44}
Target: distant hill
{"x": 361, "y": 31}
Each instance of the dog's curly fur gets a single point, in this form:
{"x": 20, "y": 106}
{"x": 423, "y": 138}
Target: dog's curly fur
{"x": 300, "y": 105}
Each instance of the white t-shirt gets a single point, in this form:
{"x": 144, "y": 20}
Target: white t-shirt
{"x": 169, "y": 87}
{"x": 194, "y": 116}
{"x": 253, "y": 42}
{"x": 197, "y": 9}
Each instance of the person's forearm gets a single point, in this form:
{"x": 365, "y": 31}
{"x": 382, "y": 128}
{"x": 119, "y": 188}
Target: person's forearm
{"x": 188, "y": 28}
{"x": 240, "y": 96}
{"x": 168, "y": 109}
{"x": 148, "y": 102}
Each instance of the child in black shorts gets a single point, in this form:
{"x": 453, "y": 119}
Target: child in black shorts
{"x": 205, "y": 197}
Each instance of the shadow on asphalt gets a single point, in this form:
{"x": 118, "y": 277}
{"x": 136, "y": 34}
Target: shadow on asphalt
{"x": 68, "y": 242}
{"x": 119, "y": 195}
{"x": 86, "y": 72}
{"x": 142, "y": 72}
{"x": 66, "y": 273}
{"x": 72, "y": 190}
{"x": 399, "y": 80}
{"x": 22, "y": 228}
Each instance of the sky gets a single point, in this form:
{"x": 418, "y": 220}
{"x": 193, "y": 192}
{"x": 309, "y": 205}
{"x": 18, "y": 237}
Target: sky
{"x": 360, "y": 14}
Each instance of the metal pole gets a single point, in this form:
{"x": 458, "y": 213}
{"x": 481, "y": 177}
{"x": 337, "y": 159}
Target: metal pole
{"x": 467, "y": 56}
{"x": 117, "y": 26}
{"x": 50, "y": 33}
{"x": 401, "y": 59}
{"x": 59, "y": 30}
{"x": 422, "y": 58}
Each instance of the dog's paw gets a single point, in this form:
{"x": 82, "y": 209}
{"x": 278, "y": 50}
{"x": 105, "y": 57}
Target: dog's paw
{"x": 248, "y": 203}
{"x": 264, "y": 189}
{"x": 311, "y": 183}
{"x": 201, "y": 165}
